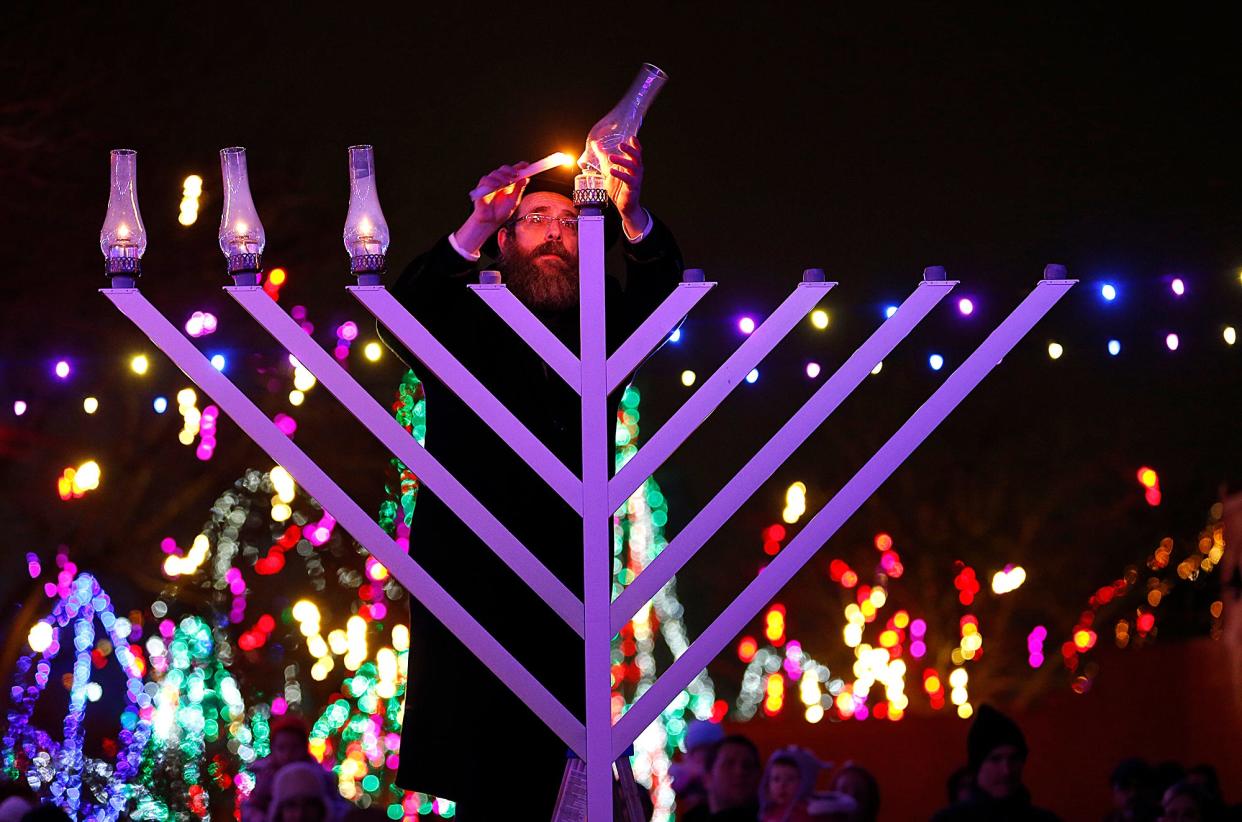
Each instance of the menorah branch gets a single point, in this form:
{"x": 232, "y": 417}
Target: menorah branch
{"x": 532, "y": 331}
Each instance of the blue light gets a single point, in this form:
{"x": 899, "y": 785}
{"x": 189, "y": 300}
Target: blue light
{"x": 1114, "y": 347}
{"x": 752, "y": 376}
{"x": 936, "y": 362}
{"x": 1108, "y": 291}
{"x": 889, "y": 310}
{"x": 160, "y": 405}
{"x": 218, "y": 362}
{"x": 675, "y": 336}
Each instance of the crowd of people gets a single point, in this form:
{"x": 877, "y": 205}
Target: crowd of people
{"x": 723, "y": 779}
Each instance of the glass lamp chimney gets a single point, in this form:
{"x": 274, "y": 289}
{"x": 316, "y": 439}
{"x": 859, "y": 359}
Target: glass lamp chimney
{"x": 241, "y": 232}
{"x": 366, "y": 230}
{"x": 123, "y": 239}
{"x": 622, "y": 123}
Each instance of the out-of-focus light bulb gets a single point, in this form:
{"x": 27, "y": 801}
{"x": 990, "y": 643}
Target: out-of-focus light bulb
{"x": 1230, "y": 334}
{"x": 1179, "y": 287}
{"x": 123, "y": 239}
{"x": 812, "y": 370}
{"x": 90, "y": 405}
{"x": 753, "y": 376}
{"x": 139, "y": 364}
{"x": 1055, "y": 350}
{"x": 878, "y": 367}
{"x": 19, "y": 407}
{"x": 966, "y": 306}
{"x": 366, "y": 230}
{"x": 1172, "y": 341}
{"x": 819, "y": 318}
{"x": 688, "y": 378}
{"x": 889, "y": 310}
{"x": 1114, "y": 347}
{"x": 241, "y": 232}
{"x": 936, "y": 362}
{"x": 62, "y": 369}
{"x": 1108, "y": 291}
{"x": 160, "y": 404}
{"x": 746, "y": 325}
{"x": 372, "y": 351}
{"x": 218, "y": 362}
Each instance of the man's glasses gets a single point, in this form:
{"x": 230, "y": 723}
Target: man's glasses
{"x": 546, "y": 220}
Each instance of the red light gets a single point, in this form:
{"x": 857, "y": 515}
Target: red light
{"x": 1148, "y": 477}
{"x": 1145, "y": 622}
{"x": 849, "y": 579}
{"x": 774, "y": 532}
{"x": 883, "y": 542}
{"x": 747, "y": 648}
{"x": 1152, "y": 495}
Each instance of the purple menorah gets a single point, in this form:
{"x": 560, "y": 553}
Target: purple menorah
{"x": 590, "y": 491}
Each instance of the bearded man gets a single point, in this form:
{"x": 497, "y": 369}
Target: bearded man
{"x": 465, "y": 736}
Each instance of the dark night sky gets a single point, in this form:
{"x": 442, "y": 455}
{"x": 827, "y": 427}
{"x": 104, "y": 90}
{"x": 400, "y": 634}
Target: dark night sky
{"x": 988, "y": 141}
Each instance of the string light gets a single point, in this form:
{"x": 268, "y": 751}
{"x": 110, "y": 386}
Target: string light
{"x": 1114, "y": 347}
{"x": 812, "y": 370}
{"x": 889, "y": 311}
{"x": 1172, "y": 341}
{"x": 19, "y": 407}
{"x": 746, "y": 325}
{"x": 139, "y": 364}
{"x": 1230, "y": 334}
{"x": 90, "y": 405}
{"x": 965, "y": 306}
{"x": 1055, "y": 350}
{"x": 936, "y": 362}
{"x": 879, "y": 367}
{"x": 753, "y": 376}
{"x": 1108, "y": 291}
{"x": 687, "y": 378}
{"x": 819, "y": 319}
{"x": 62, "y": 369}
{"x": 1179, "y": 287}
{"x": 191, "y": 190}
{"x": 372, "y": 351}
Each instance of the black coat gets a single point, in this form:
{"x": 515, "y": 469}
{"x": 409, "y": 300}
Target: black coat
{"x": 465, "y": 735}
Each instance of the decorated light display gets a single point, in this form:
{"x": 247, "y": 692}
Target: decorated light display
{"x": 241, "y": 233}
{"x": 366, "y": 230}
{"x": 123, "y": 239}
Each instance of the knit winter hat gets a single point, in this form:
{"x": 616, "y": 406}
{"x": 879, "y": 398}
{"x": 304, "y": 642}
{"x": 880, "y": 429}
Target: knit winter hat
{"x": 990, "y": 730}
{"x": 297, "y": 780}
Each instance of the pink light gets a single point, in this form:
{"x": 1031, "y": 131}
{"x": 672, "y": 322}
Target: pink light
{"x": 1179, "y": 287}
{"x": 19, "y": 407}
{"x": 50, "y": 589}
{"x": 861, "y": 712}
{"x": 287, "y": 424}
{"x": 1035, "y": 660}
{"x": 169, "y": 546}
{"x": 918, "y": 648}
{"x": 32, "y": 565}
{"x": 812, "y": 370}
{"x": 62, "y": 369}
{"x": 347, "y": 331}
{"x": 746, "y": 325}
{"x": 379, "y": 610}
{"x": 279, "y": 706}
{"x": 298, "y": 312}
{"x": 1172, "y": 342}
{"x": 965, "y": 306}
{"x": 341, "y": 352}
{"x": 918, "y": 628}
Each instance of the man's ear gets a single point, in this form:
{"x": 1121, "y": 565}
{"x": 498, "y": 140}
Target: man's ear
{"x": 503, "y": 238}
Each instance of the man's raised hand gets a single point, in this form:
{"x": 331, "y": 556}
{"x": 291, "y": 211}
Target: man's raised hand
{"x": 492, "y": 210}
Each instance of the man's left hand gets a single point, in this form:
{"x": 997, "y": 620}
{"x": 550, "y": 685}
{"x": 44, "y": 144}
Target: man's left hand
{"x": 627, "y": 186}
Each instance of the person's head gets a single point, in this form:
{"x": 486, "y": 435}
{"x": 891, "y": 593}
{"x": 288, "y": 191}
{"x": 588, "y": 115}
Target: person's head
{"x": 298, "y": 794}
{"x": 997, "y": 752}
{"x": 859, "y": 784}
{"x": 960, "y": 785}
{"x": 1130, "y": 781}
{"x": 290, "y": 741}
{"x": 539, "y": 251}
{"x": 732, "y": 773}
{"x": 1204, "y": 776}
{"x": 783, "y": 780}
{"x": 1184, "y": 802}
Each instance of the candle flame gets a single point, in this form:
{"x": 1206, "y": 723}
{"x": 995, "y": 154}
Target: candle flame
{"x": 122, "y": 232}
{"x": 565, "y": 158}
{"x": 240, "y": 227}
{"x": 364, "y": 227}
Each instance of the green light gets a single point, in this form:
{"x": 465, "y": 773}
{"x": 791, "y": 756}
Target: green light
{"x": 395, "y": 811}
{"x": 370, "y": 783}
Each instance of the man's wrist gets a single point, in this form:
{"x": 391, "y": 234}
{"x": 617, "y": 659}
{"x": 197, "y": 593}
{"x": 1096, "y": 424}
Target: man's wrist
{"x": 637, "y": 226}
{"x": 469, "y": 238}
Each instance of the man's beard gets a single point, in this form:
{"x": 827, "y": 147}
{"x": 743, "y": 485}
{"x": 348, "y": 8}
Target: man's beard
{"x": 550, "y": 285}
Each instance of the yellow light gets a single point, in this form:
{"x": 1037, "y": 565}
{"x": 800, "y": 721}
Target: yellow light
{"x": 1230, "y": 334}
{"x": 400, "y": 638}
{"x": 316, "y": 646}
{"x": 878, "y": 597}
{"x": 303, "y": 380}
{"x": 276, "y": 276}
{"x": 901, "y": 619}
{"x": 90, "y": 405}
{"x": 40, "y": 637}
{"x": 565, "y": 158}
{"x": 878, "y": 367}
{"x": 1148, "y": 478}
{"x": 965, "y": 711}
{"x": 386, "y": 664}
{"x": 372, "y": 351}
{"x": 193, "y": 184}
{"x": 958, "y": 678}
{"x": 186, "y": 398}
{"x": 932, "y": 684}
{"x": 87, "y": 477}
{"x": 845, "y": 703}
{"x": 305, "y": 611}
{"x": 819, "y": 318}
{"x": 853, "y": 635}
{"x": 868, "y": 610}
{"x": 888, "y": 639}
{"x": 281, "y": 512}
{"x": 139, "y": 364}
{"x": 337, "y": 641}
{"x": 1055, "y": 350}
{"x": 283, "y": 482}
{"x": 958, "y": 696}
{"x": 687, "y": 378}
{"x": 296, "y": 397}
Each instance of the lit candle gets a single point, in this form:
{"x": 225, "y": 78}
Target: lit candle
{"x": 559, "y": 158}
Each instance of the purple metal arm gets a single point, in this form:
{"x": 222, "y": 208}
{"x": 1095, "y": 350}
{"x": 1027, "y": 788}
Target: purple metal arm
{"x": 531, "y": 329}
{"x": 429, "y": 470}
{"x": 658, "y": 325}
{"x": 597, "y": 422}
{"x": 777, "y": 449}
{"x": 843, "y": 504}
{"x": 363, "y": 528}
{"x": 686, "y": 419}
{"x": 419, "y": 341}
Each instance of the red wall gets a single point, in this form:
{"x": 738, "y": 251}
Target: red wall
{"x": 1166, "y": 701}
